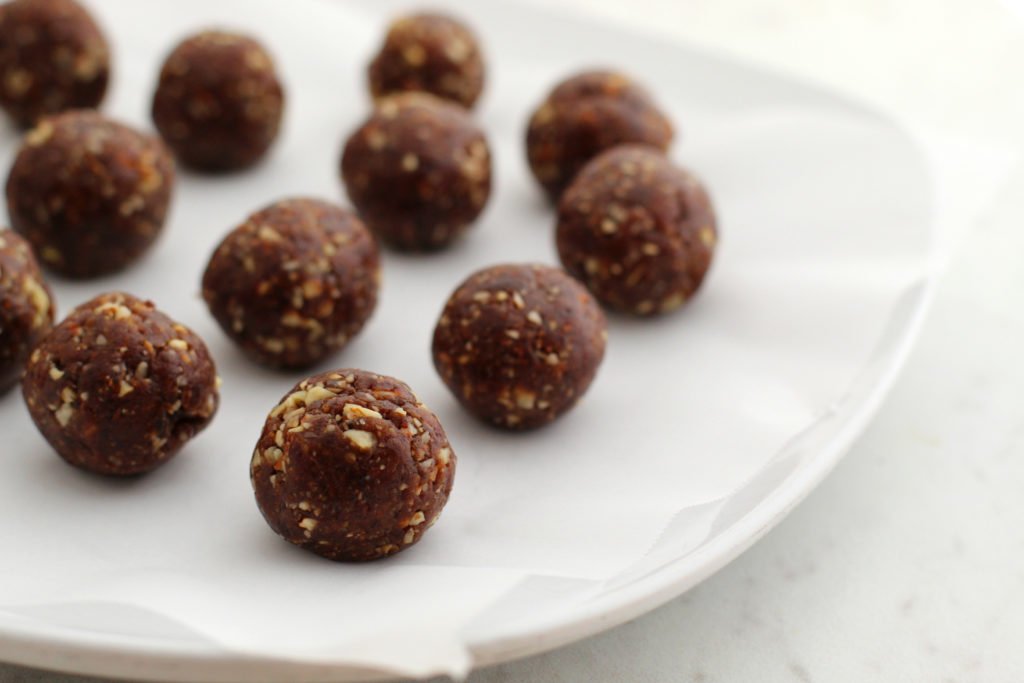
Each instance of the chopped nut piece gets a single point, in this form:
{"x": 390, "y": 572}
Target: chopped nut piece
{"x": 361, "y": 439}
{"x": 318, "y": 393}
{"x": 64, "y": 413}
{"x": 353, "y": 411}
{"x": 525, "y": 399}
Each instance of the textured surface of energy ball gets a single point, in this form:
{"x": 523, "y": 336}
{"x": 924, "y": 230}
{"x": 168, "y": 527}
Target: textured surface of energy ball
{"x": 118, "y": 387}
{"x": 26, "y": 306}
{"x": 430, "y": 53}
{"x": 582, "y": 117}
{"x": 294, "y": 282}
{"x": 89, "y": 194}
{"x": 418, "y": 171}
{"x": 519, "y": 345}
{"x": 218, "y": 103}
{"x": 53, "y": 58}
{"x": 637, "y": 230}
{"x": 351, "y": 466}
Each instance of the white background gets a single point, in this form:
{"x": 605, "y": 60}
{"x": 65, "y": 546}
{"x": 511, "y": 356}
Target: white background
{"x": 908, "y": 562}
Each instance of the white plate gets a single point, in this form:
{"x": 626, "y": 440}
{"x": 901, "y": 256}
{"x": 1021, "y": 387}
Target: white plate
{"x": 701, "y": 432}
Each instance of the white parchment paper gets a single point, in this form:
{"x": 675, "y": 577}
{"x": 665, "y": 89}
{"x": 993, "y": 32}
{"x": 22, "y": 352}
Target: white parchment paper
{"x": 824, "y": 213}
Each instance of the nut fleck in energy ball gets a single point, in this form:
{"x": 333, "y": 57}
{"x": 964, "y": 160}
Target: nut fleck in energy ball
{"x": 430, "y": 53}
{"x": 518, "y": 345}
{"x": 219, "y": 102}
{"x": 418, "y": 171}
{"x": 118, "y": 387}
{"x": 582, "y": 117}
{"x": 294, "y": 283}
{"x": 26, "y": 306}
{"x": 638, "y": 231}
{"x": 89, "y": 194}
{"x": 351, "y": 466}
{"x": 53, "y": 57}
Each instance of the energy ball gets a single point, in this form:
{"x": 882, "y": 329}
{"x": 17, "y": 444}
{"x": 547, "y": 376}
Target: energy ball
{"x": 118, "y": 387}
{"x": 518, "y": 345}
{"x": 294, "y": 283}
{"x": 89, "y": 194}
{"x": 351, "y": 466}
{"x": 418, "y": 171}
{"x": 582, "y": 117}
{"x": 26, "y": 306}
{"x": 430, "y": 53}
{"x": 637, "y": 231}
{"x": 53, "y": 58}
{"x": 218, "y": 103}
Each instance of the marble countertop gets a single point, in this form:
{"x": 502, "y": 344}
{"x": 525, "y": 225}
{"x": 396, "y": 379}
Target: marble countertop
{"x": 907, "y": 563}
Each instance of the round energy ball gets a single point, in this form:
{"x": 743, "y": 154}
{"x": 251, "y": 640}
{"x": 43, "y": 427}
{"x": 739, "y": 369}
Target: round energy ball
{"x": 418, "y": 171}
{"x": 118, "y": 387}
{"x": 89, "y": 194}
{"x": 26, "y": 306}
{"x": 53, "y": 57}
{"x": 431, "y": 53}
{"x": 637, "y": 231}
{"x": 518, "y": 345}
{"x": 294, "y": 283}
{"x": 351, "y": 466}
{"x": 218, "y": 103}
{"x": 582, "y": 117}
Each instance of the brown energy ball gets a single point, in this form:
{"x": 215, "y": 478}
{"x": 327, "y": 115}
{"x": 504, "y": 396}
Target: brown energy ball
{"x": 351, "y": 466}
{"x": 219, "y": 102}
{"x": 294, "y": 282}
{"x": 418, "y": 171}
{"x": 637, "y": 231}
{"x": 89, "y": 194}
{"x": 519, "y": 345}
{"x": 118, "y": 387}
{"x": 582, "y": 117}
{"x": 26, "y": 306}
{"x": 430, "y": 53}
{"x": 53, "y": 57}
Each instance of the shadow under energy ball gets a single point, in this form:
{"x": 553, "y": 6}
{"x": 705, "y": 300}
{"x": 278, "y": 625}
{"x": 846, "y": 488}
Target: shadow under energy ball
{"x": 418, "y": 171}
{"x": 88, "y": 193}
{"x": 118, "y": 387}
{"x": 53, "y": 57}
{"x": 219, "y": 102}
{"x": 351, "y": 466}
{"x": 294, "y": 283}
